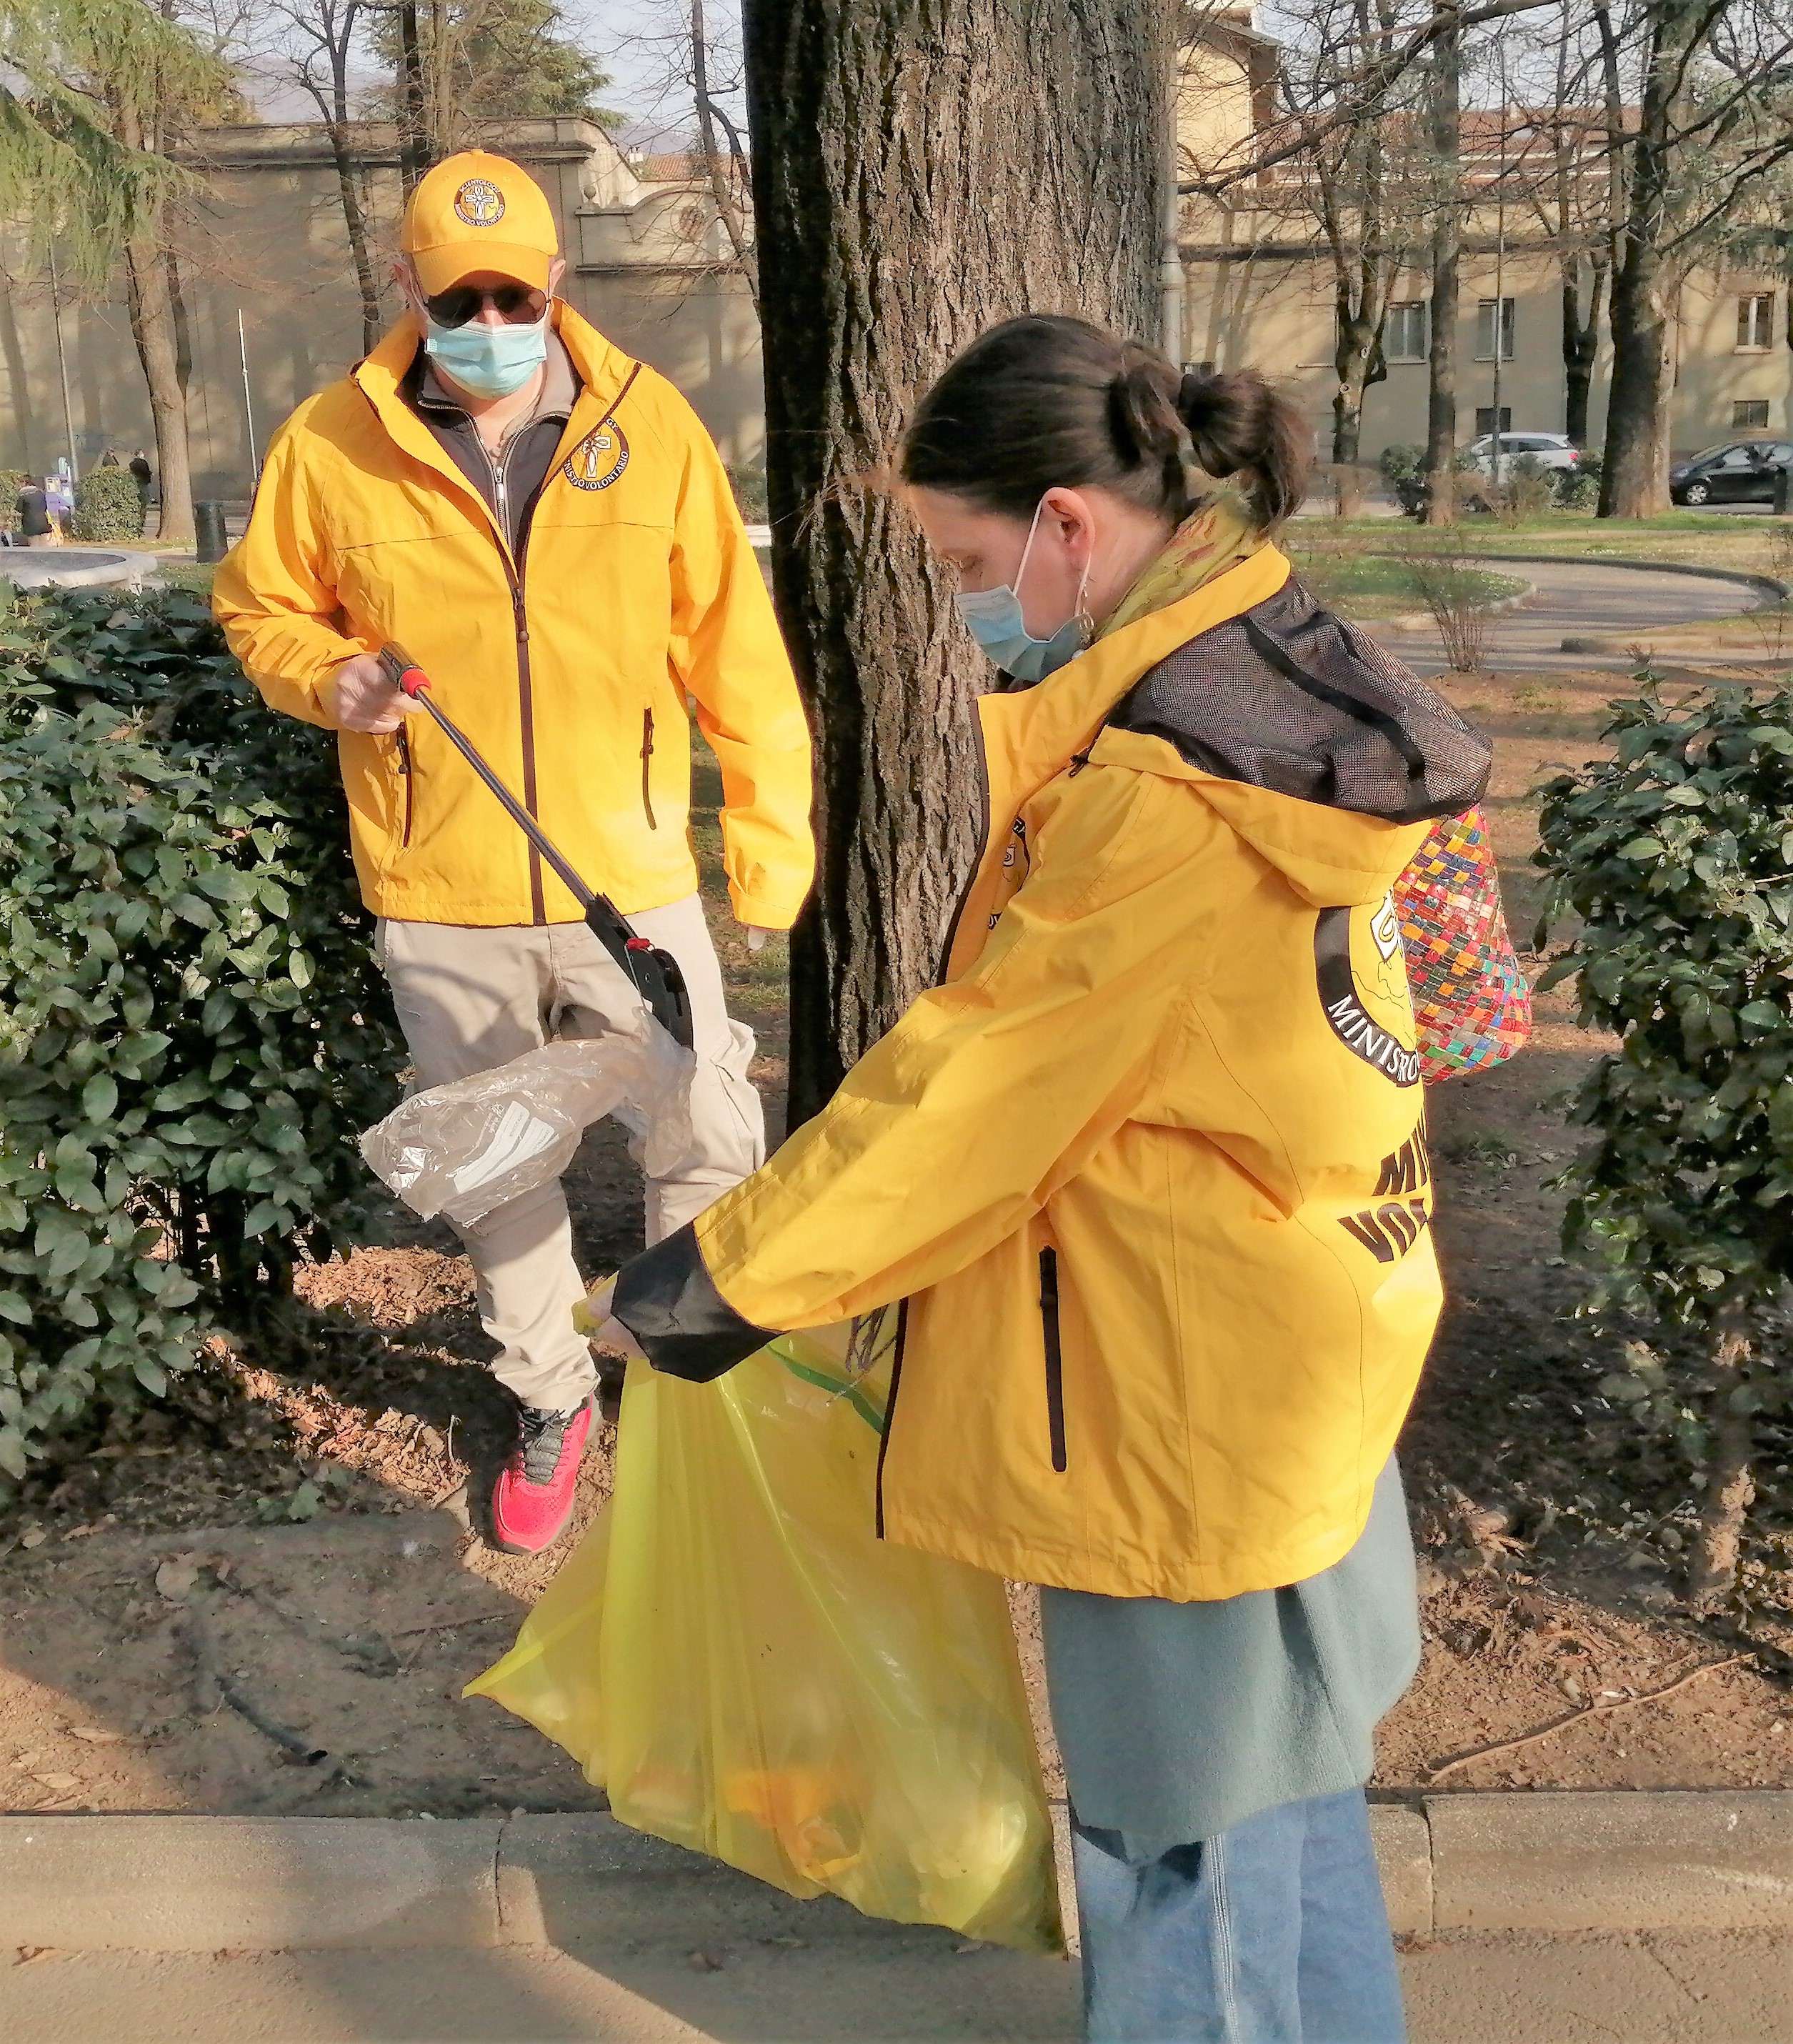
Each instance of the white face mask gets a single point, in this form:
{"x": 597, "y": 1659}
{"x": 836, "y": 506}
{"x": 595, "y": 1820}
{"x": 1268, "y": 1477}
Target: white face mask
{"x": 994, "y": 618}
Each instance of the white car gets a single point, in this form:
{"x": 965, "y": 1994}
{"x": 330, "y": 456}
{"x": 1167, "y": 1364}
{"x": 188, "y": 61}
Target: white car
{"x": 1548, "y": 450}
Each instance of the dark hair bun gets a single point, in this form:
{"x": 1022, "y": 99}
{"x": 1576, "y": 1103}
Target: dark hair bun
{"x": 1143, "y": 408}
{"x": 1236, "y": 422}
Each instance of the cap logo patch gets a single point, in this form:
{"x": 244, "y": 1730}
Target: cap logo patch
{"x": 599, "y": 458}
{"x": 480, "y": 203}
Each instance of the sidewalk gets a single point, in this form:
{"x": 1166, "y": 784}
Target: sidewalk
{"x": 1540, "y": 1918}
{"x": 885, "y": 1985}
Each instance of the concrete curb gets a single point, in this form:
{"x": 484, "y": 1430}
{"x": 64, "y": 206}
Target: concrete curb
{"x": 1704, "y": 1860}
{"x": 1766, "y": 585}
{"x": 120, "y": 568}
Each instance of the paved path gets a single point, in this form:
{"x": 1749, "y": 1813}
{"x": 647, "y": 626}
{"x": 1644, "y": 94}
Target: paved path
{"x": 891, "y": 1985}
{"x": 1578, "y": 598}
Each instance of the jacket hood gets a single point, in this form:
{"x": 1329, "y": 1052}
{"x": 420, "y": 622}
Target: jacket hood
{"x": 1327, "y": 756}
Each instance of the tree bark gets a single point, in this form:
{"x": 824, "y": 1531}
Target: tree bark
{"x": 1731, "y": 1482}
{"x": 922, "y": 169}
{"x": 153, "y": 327}
{"x": 1440, "y": 389}
{"x": 1581, "y": 343}
{"x": 1634, "y": 481}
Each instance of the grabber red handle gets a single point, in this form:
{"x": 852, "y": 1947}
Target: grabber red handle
{"x": 654, "y": 974}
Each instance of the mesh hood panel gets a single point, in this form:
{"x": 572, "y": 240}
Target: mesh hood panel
{"x": 1289, "y": 698}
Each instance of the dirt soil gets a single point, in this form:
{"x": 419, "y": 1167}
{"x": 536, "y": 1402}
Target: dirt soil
{"x": 310, "y": 1531}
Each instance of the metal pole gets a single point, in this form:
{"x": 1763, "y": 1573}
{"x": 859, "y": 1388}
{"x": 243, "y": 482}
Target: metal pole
{"x": 1171, "y": 283}
{"x": 62, "y": 365}
{"x": 248, "y": 408}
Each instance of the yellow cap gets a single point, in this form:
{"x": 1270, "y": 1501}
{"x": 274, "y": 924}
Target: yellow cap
{"x": 477, "y": 212}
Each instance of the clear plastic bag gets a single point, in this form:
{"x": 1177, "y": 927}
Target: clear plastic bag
{"x": 748, "y": 1670}
{"x": 464, "y": 1149}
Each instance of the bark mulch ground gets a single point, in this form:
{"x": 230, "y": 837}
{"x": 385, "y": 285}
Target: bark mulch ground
{"x": 266, "y": 1593}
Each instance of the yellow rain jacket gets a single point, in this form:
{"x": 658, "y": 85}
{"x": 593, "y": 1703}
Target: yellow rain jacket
{"x": 569, "y": 669}
{"x": 1149, "y": 1168}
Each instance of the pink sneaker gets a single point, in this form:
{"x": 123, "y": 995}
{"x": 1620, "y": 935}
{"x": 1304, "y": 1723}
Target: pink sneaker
{"x": 533, "y": 1498}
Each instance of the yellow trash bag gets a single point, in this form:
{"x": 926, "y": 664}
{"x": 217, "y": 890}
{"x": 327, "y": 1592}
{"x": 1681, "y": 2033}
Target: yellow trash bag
{"x": 734, "y": 1655}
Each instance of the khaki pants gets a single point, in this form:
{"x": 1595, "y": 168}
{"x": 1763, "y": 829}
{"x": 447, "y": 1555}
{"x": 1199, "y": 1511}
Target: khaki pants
{"x": 469, "y": 999}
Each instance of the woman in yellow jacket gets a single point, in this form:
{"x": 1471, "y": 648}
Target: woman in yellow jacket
{"x": 1148, "y": 1169}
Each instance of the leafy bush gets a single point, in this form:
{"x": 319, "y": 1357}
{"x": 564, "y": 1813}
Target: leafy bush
{"x": 1404, "y": 469}
{"x": 748, "y": 480}
{"x": 1674, "y": 854}
{"x": 107, "y": 507}
{"x": 193, "y": 1032}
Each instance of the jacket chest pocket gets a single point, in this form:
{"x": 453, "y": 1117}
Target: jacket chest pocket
{"x": 1052, "y": 1344}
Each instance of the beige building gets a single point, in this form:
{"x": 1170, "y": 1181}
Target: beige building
{"x": 269, "y": 244}
{"x": 647, "y": 263}
{"x": 1259, "y": 288}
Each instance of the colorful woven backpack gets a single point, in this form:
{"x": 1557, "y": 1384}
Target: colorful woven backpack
{"x": 1472, "y": 1003}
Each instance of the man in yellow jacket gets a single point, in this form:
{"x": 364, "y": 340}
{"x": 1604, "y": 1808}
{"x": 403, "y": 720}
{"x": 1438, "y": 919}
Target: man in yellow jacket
{"x": 545, "y": 528}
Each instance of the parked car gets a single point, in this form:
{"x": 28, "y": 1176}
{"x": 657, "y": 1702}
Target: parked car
{"x": 1739, "y": 472}
{"x": 1547, "y": 450}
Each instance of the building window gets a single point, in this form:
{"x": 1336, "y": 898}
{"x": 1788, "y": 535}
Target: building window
{"x": 1485, "y": 331}
{"x": 1747, "y": 412}
{"x": 1754, "y": 322}
{"x": 1485, "y": 417}
{"x": 1404, "y": 335}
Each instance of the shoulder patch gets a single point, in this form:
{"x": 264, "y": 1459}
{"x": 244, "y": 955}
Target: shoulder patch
{"x": 1361, "y": 970}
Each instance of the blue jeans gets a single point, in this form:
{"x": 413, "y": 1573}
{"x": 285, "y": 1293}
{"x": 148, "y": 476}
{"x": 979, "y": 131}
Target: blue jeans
{"x": 1272, "y": 1933}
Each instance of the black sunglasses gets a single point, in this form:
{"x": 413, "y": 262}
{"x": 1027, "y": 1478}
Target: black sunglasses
{"x": 516, "y": 305}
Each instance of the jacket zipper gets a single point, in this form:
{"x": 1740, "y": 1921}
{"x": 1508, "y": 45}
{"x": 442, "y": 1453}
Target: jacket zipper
{"x": 526, "y": 706}
{"x": 646, "y": 766}
{"x": 939, "y": 980}
{"x": 1054, "y": 1355}
{"x": 405, "y": 768}
{"x": 890, "y": 1410}
{"x": 514, "y": 573}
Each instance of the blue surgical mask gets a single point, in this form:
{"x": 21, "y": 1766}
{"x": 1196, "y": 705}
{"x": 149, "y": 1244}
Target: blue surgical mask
{"x": 994, "y": 618}
{"x": 490, "y": 361}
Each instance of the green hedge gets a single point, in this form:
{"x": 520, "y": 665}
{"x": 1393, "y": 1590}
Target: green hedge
{"x": 107, "y": 507}
{"x": 193, "y": 1032}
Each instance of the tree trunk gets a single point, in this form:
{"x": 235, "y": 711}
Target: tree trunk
{"x": 355, "y": 220}
{"x": 153, "y": 328}
{"x": 413, "y": 150}
{"x": 1634, "y": 481}
{"x": 1357, "y": 362}
{"x": 725, "y": 195}
{"x": 1731, "y": 1483}
{"x": 1447, "y": 227}
{"x": 1581, "y": 343}
{"x": 922, "y": 169}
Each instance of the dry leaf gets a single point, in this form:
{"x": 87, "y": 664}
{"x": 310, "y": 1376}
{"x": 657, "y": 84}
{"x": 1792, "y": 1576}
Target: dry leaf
{"x": 35, "y": 1537}
{"x": 93, "y": 1736}
{"x": 175, "y": 1579}
{"x": 59, "y": 1782}
{"x": 705, "y": 1962}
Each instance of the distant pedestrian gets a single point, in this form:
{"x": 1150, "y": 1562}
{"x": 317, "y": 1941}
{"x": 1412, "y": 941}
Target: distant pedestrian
{"x": 109, "y": 460}
{"x": 141, "y": 470}
{"x": 35, "y": 525}
{"x": 60, "y": 502}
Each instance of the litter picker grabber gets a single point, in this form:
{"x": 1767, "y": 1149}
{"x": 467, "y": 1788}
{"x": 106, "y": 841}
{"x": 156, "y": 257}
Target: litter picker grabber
{"x": 654, "y": 972}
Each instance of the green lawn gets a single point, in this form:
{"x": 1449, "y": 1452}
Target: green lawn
{"x": 1758, "y": 545}
{"x": 1366, "y": 586}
